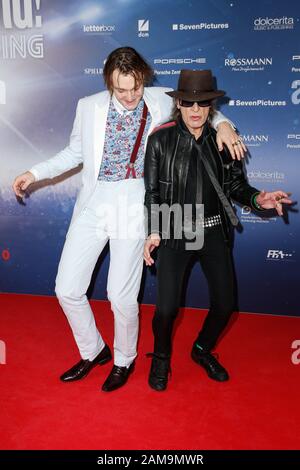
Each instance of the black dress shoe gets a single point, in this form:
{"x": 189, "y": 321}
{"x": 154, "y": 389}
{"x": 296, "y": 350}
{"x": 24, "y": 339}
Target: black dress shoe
{"x": 117, "y": 378}
{"x": 212, "y": 367}
{"x": 83, "y": 367}
{"x": 159, "y": 372}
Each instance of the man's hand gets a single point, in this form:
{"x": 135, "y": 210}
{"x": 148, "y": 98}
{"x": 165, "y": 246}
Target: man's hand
{"x": 226, "y": 135}
{"x": 22, "y": 182}
{"x": 151, "y": 243}
{"x": 273, "y": 200}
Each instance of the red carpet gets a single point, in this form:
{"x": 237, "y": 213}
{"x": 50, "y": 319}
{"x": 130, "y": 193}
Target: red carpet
{"x": 259, "y": 408}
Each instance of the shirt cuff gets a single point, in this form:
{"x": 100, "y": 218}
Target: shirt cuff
{"x": 218, "y": 118}
{"x": 35, "y": 174}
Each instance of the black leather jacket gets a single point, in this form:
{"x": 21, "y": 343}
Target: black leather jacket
{"x": 166, "y": 169}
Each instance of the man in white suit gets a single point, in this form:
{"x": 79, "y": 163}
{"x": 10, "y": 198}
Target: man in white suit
{"x": 108, "y": 137}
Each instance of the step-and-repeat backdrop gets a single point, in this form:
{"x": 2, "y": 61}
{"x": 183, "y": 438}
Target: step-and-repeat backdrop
{"x": 52, "y": 53}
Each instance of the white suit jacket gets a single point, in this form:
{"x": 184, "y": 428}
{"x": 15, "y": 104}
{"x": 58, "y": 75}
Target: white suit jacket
{"x": 87, "y": 139}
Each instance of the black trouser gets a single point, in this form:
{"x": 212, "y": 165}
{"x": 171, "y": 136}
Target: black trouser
{"x": 216, "y": 262}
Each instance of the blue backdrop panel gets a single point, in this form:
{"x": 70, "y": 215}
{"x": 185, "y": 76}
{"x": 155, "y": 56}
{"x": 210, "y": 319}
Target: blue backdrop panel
{"x": 52, "y": 54}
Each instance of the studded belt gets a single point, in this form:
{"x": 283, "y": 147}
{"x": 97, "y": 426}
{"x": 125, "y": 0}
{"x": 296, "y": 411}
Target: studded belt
{"x": 202, "y": 223}
{"x": 212, "y": 221}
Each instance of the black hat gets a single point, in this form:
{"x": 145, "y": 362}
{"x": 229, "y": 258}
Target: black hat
{"x": 196, "y": 85}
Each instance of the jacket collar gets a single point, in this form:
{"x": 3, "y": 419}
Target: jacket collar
{"x": 154, "y": 108}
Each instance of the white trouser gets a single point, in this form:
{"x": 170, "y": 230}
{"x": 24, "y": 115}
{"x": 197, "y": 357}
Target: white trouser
{"x": 114, "y": 213}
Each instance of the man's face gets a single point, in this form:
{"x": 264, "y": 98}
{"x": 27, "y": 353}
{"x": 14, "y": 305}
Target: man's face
{"x": 194, "y": 117}
{"x": 126, "y": 90}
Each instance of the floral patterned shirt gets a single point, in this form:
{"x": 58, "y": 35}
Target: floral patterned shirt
{"x": 122, "y": 127}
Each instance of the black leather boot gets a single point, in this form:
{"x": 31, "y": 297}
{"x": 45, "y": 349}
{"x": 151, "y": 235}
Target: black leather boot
{"x": 209, "y": 362}
{"x": 159, "y": 372}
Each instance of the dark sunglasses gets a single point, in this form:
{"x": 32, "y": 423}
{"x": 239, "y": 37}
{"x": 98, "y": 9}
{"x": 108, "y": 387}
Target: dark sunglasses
{"x": 189, "y": 104}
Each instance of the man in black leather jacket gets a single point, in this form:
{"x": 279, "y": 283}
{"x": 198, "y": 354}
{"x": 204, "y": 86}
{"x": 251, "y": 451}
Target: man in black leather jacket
{"x": 185, "y": 171}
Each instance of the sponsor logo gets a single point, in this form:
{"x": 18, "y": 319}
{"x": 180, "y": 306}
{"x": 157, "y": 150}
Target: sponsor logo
{"x": 246, "y": 210}
{"x": 294, "y": 136}
{"x": 257, "y": 103}
{"x": 255, "y": 140}
{"x": 166, "y": 72}
{"x": 264, "y": 24}
{"x": 247, "y": 216}
{"x": 99, "y": 28}
{"x": 196, "y": 27}
{"x": 266, "y": 176}
{"x": 295, "y": 69}
{"x": 180, "y": 61}
{"x": 293, "y": 141}
{"x": 93, "y": 71}
{"x": 2, "y": 92}
{"x": 176, "y": 61}
{"x": 246, "y": 64}
{"x": 278, "y": 255}
{"x": 143, "y": 28}
{"x": 295, "y": 97}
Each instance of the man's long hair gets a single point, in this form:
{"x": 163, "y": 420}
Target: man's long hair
{"x": 129, "y": 62}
